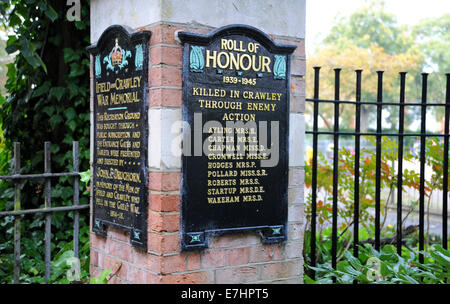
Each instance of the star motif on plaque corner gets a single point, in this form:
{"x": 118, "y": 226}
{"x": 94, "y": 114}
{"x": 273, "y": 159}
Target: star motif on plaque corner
{"x": 276, "y": 230}
{"x": 195, "y": 238}
{"x": 137, "y": 235}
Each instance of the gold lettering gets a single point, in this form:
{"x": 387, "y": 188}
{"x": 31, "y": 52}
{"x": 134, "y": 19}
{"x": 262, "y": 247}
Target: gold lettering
{"x": 213, "y": 58}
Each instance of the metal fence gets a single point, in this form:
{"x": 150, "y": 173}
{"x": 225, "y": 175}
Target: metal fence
{"x": 48, "y": 209}
{"x": 378, "y": 134}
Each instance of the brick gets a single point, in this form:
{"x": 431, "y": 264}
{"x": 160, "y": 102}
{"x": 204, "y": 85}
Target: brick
{"x": 238, "y": 256}
{"x": 213, "y": 258}
{"x": 295, "y": 213}
{"x": 297, "y": 85}
{"x": 163, "y": 76}
{"x": 277, "y": 270}
{"x": 193, "y": 261}
{"x": 203, "y": 277}
{"x": 164, "y": 181}
{"x": 118, "y": 234}
{"x": 137, "y": 275}
{"x": 139, "y": 257}
{"x": 118, "y": 268}
{"x": 173, "y": 263}
{"x": 94, "y": 271}
{"x": 164, "y": 202}
{"x": 94, "y": 258}
{"x": 294, "y": 249}
{"x": 298, "y": 67}
{"x": 165, "y": 97}
{"x": 295, "y": 231}
{"x": 234, "y": 240}
{"x": 153, "y": 278}
{"x": 297, "y": 280}
{"x": 296, "y": 177}
{"x": 164, "y": 34}
{"x": 245, "y": 274}
{"x": 164, "y": 222}
{"x": 295, "y": 195}
{"x": 154, "y": 263}
{"x": 98, "y": 242}
{"x": 117, "y": 280}
{"x": 119, "y": 250}
{"x": 297, "y": 103}
{"x": 100, "y": 259}
{"x": 163, "y": 243}
{"x": 166, "y": 55}
{"x": 265, "y": 253}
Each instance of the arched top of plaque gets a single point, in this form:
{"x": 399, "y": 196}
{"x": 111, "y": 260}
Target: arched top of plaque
{"x": 120, "y": 61}
{"x": 118, "y": 30}
{"x": 237, "y": 29}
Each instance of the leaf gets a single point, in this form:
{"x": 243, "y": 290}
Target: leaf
{"x": 308, "y": 280}
{"x": 14, "y": 20}
{"x": 85, "y": 176}
{"x": 12, "y": 48}
{"x": 70, "y": 113}
{"x": 55, "y": 120}
{"x": 441, "y": 258}
{"x": 51, "y": 13}
{"x": 57, "y": 92}
{"x": 102, "y": 279}
{"x": 72, "y": 124}
{"x": 352, "y": 260}
{"x": 44, "y": 88}
{"x": 70, "y": 55}
{"x": 325, "y": 281}
{"x": 61, "y": 260}
{"x": 407, "y": 279}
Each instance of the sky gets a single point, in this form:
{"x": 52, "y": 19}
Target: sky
{"x": 320, "y": 14}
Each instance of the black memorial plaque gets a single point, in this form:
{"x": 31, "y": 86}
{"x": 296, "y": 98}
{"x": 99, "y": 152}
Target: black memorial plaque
{"x": 235, "y": 89}
{"x": 120, "y": 179}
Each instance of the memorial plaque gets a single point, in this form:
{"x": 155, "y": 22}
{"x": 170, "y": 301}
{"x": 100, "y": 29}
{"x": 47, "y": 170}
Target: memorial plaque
{"x": 120, "y": 179}
{"x": 236, "y": 83}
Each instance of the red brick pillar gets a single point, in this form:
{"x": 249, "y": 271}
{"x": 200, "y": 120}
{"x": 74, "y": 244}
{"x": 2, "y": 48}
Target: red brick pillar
{"x": 235, "y": 258}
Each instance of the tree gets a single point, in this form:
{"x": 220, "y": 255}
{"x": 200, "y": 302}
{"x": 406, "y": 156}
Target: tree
{"x": 433, "y": 36}
{"x": 370, "y": 60}
{"x": 368, "y": 39}
{"x": 371, "y": 25}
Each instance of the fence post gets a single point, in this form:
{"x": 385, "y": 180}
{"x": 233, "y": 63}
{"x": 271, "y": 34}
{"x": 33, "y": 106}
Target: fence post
{"x": 423, "y": 130}
{"x": 314, "y": 172}
{"x": 48, "y": 204}
{"x": 334, "y": 238}
{"x": 445, "y": 178}
{"x": 401, "y": 129}
{"x": 357, "y": 157}
{"x": 76, "y": 194}
{"x": 378, "y": 160}
{"x": 17, "y": 207}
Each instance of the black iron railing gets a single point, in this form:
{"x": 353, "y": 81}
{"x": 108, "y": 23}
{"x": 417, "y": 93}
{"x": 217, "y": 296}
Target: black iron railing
{"x": 48, "y": 209}
{"x": 336, "y": 133}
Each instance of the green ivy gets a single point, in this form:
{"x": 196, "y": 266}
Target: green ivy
{"x": 386, "y": 267}
{"x": 47, "y": 99}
